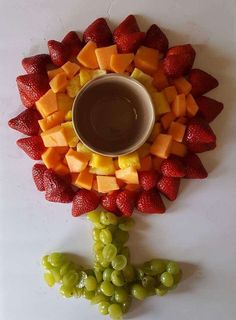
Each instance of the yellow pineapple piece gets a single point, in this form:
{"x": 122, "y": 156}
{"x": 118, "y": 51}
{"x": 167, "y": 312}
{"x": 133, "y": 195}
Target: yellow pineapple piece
{"x": 64, "y": 102}
{"x": 98, "y": 161}
{"x": 73, "y": 86}
{"x": 142, "y": 77}
{"x": 70, "y": 134}
{"x": 144, "y": 150}
{"x": 68, "y": 116}
{"x": 104, "y": 171}
{"x": 97, "y": 73}
{"x": 161, "y": 105}
{"x": 129, "y": 160}
{"x": 83, "y": 149}
{"x": 85, "y": 76}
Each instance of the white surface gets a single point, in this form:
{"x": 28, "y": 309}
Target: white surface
{"x": 199, "y": 228}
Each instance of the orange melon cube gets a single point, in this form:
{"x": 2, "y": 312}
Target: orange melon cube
{"x": 146, "y": 164}
{"x": 77, "y": 161}
{"x": 95, "y": 185}
{"x": 51, "y": 158}
{"x": 128, "y": 175}
{"x": 104, "y": 56}
{"x": 156, "y": 163}
{"x": 61, "y": 169}
{"x": 182, "y": 85}
{"x": 146, "y": 59}
{"x": 121, "y": 61}
{"x": 62, "y": 150}
{"x": 160, "y": 80}
{"x": 54, "y": 137}
{"x": 177, "y": 130}
{"x": 144, "y": 151}
{"x": 191, "y": 105}
{"x": 133, "y": 187}
{"x": 64, "y": 102}
{"x": 107, "y": 184}
{"x": 155, "y": 131}
{"x": 54, "y": 72}
{"x": 161, "y": 146}
{"x": 87, "y": 56}
{"x": 167, "y": 119}
{"x": 70, "y": 68}
{"x": 178, "y": 149}
{"x": 170, "y": 93}
{"x": 182, "y": 120}
{"x": 52, "y": 120}
{"x": 130, "y": 68}
{"x": 59, "y": 83}
{"x": 179, "y": 105}
{"x": 83, "y": 180}
{"x": 47, "y": 104}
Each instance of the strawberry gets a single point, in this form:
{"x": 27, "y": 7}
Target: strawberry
{"x": 182, "y": 49}
{"x": 150, "y": 202}
{"x": 56, "y": 189}
{"x": 108, "y": 201}
{"x": 32, "y": 146}
{"x": 199, "y": 136}
{"x": 128, "y": 25}
{"x": 84, "y": 201}
{"x": 129, "y": 43}
{"x": 194, "y": 167}
{"x": 37, "y": 173}
{"x": 125, "y": 202}
{"x": 31, "y": 87}
{"x": 156, "y": 39}
{"x": 59, "y": 52}
{"x": 201, "y": 82}
{"x": 169, "y": 187}
{"x": 173, "y": 167}
{"x": 148, "y": 179}
{"x": 36, "y": 64}
{"x": 26, "y": 122}
{"x": 209, "y": 108}
{"x": 73, "y": 42}
{"x": 98, "y": 32}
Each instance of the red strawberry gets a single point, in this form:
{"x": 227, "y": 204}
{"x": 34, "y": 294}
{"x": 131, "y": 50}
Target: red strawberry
{"x": 150, "y": 202}
{"x": 156, "y": 39}
{"x": 84, "y": 201}
{"x": 148, "y": 179}
{"x": 31, "y": 87}
{"x": 36, "y": 64}
{"x": 173, "y": 167}
{"x": 32, "y": 146}
{"x": 194, "y": 167}
{"x": 128, "y": 25}
{"x": 201, "y": 82}
{"x": 37, "y": 173}
{"x": 108, "y": 201}
{"x": 169, "y": 187}
{"x": 209, "y": 108}
{"x": 73, "y": 42}
{"x": 129, "y": 43}
{"x": 199, "y": 136}
{"x": 26, "y": 122}
{"x": 182, "y": 49}
{"x": 125, "y": 202}
{"x": 59, "y": 52}
{"x": 98, "y": 32}
{"x": 56, "y": 189}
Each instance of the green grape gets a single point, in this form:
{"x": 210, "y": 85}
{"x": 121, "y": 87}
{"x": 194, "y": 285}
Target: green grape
{"x": 105, "y": 236}
{"x": 140, "y": 273}
{"x": 121, "y": 236}
{"x": 89, "y": 295}
{"x": 46, "y": 265}
{"x": 115, "y": 311}
{"x": 56, "y": 274}
{"x": 98, "y": 245}
{"x": 98, "y": 275}
{"x": 89, "y": 272}
{"x": 105, "y": 264}
{"x": 118, "y": 245}
{"x": 70, "y": 279}
{"x": 107, "y": 274}
{"x": 112, "y": 299}
{"x": 66, "y": 267}
{"x": 109, "y": 252}
{"x": 172, "y": 267}
{"x": 126, "y": 223}
{"x": 125, "y": 252}
{"x": 108, "y": 218}
{"x": 148, "y": 269}
{"x": 49, "y": 279}
{"x": 97, "y": 267}
{"x": 117, "y": 278}
{"x": 103, "y": 307}
{"x": 81, "y": 281}
{"x": 66, "y": 292}
{"x": 129, "y": 273}
{"x": 98, "y": 298}
{"x": 96, "y": 233}
{"x": 56, "y": 259}
{"x": 177, "y": 277}
{"x": 148, "y": 282}
{"x": 90, "y": 283}
{"x": 112, "y": 228}
{"x": 119, "y": 262}
{"x": 157, "y": 266}
{"x": 107, "y": 288}
{"x": 99, "y": 225}
{"x": 121, "y": 295}
{"x": 125, "y": 306}
{"x": 161, "y": 291}
{"x": 138, "y": 291}
{"x": 94, "y": 217}
{"x": 167, "y": 279}
{"x": 99, "y": 256}
{"x": 78, "y": 292}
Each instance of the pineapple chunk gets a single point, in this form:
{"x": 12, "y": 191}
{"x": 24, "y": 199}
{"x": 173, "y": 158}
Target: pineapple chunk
{"x": 142, "y": 77}
{"x": 73, "y": 86}
{"x": 103, "y": 171}
{"x": 101, "y": 165}
{"x": 129, "y": 160}
{"x": 71, "y": 136}
{"x": 68, "y": 116}
{"x": 85, "y": 76}
{"x": 161, "y": 105}
{"x": 82, "y": 148}
{"x": 97, "y": 73}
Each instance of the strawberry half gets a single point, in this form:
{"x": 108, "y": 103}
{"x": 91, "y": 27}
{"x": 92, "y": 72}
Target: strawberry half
{"x": 59, "y": 52}
{"x": 56, "y": 188}
{"x": 37, "y": 173}
{"x": 36, "y": 64}
{"x": 169, "y": 187}
{"x": 209, "y": 108}
{"x": 194, "y": 167}
{"x": 199, "y": 137}
{"x": 150, "y": 202}
{"x": 98, "y": 32}
{"x": 125, "y": 202}
{"x": 129, "y": 43}
{"x": 32, "y": 146}
{"x": 26, "y": 122}
{"x": 31, "y": 87}
{"x": 73, "y": 42}
{"x": 108, "y": 201}
{"x": 84, "y": 201}
{"x": 202, "y": 82}
{"x": 156, "y": 39}
{"x": 173, "y": 167}
{"x": 182, "y": 49}
{"x": 148, "y": 179}
{"x": 128, "y": 25}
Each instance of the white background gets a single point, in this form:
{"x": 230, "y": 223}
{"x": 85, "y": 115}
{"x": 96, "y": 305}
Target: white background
{"x": 199, "y": 228}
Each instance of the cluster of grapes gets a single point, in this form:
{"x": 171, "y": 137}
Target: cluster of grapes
{"x": 113, "y": 281}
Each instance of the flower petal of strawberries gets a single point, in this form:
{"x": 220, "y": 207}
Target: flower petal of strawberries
{"x": 173, "y": 167}
{"x": 32, "y": 146}
{"x": 150, "y": 202}
{"x": 26, "y": 122}
{"x": 73, "y": 42}
{"x": 202, "y": 82}
{"x": 38, "y": 173}
{"x": 108, "y": 201}
{"x": 209, "y": 108}
{"x": 128, "y": 25}
{"x": 156, "y": 39}
{"x": 194, "y": 167}
{"x": 37, "y": 63}
{"x": 84, "y": 201}
{"x": 148, "y": 179}
{"x": 98, "y": 32}
{"x": 59, "y": 52}
{"x": 125, "y": 202}
{"x": 129, "y": 43}
{"x": 169, "y": 187}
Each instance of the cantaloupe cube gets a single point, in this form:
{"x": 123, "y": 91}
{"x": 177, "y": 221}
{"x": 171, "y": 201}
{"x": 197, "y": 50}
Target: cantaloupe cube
{"x": 62, "y": 150}
{"x": 83, "y": 180}
{"x": 161, "y": 105}
{"x": 156, "y": 162}
{"x": 82, "y": 148}
{"x": 76, "y": 161}
{"x": 142, "y": 77}
{"x": 68, "y": 116}
{"x": 167, "y": 119}
{"x": 191, "y": 105}
{"x": 130, "y": 68}
{"x": 85, "y": 76}
{"x": 128, "y": 175}
{"x": 52, "y": 120}
{"x": 161, "y": 146}
{"x": 133, "y": 187}
{"x": 155, "y": 131}
{"x": 146, "y": 164}
{"x": 95, "y": 185}
{"x": 129, "y": 160}
{"x": 179, "y": 105}
{"x": 104, "y": 56}
{"x": 182, "y": 85}
{"x": 178, "y": 149}
{"x": 47, "y": 104}
{"x": 177, "y": 130}
{"x": 51, "y": 158}
{"x": 107, "y": 184}
{"x": 170, "y": 93}
{"x": 54, "y": 137}
{"x": 121, "y": 61}
{"x": 144, "y": 150}
{"x": 54, "y": 72}
{"x": 70, "y": 69}
{"x": 160, "y": 80}
{"x": 182, "y": 120}
{"x": 64, "y": 102}
{"x": 73, "y": 87}
{"x": 146, "y": 59}
{"x": 61, "y": 169}
{"x": 87, "y": 56}
{"x": 71, "y": 136}
{"x": 59, "y": 83}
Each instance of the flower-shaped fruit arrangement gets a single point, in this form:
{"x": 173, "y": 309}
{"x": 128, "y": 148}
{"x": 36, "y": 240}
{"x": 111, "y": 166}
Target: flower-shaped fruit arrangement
{"x": 70, "y": 172}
